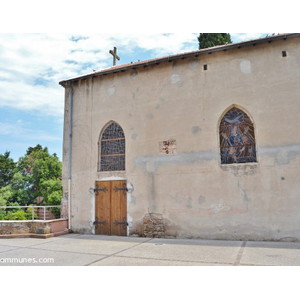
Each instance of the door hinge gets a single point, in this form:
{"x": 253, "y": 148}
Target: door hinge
{"x": 124, "y": 188}
{"x": 124, "y": 223}
{"x": 97, "y": 189}
{"x": 96, "y": 222}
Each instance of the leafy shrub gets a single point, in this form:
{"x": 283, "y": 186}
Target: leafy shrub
{"x": 19, "y": 215}
{"x": 2, "y": 214}
{"x": 29, "y": 213}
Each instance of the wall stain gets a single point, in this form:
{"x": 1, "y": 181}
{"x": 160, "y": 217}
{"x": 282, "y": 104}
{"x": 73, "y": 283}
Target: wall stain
{"x": 193, "y": 63}
{"x": 201, "y": 199}
{"x": 134, "y": 136}
{"x": 240, "y": 169}
{"x": 150, "y": 164}
{"x": 282, "y": 154}
{"x": 150, "y": 117}
{"x": 133, "y": 74}
{"x": 176, "y": 80}
{"x": 244, "y": 193}
{"x": 196, "y": 129}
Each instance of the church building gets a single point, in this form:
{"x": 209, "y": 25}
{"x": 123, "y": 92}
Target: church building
{"x": 202, "y": 144}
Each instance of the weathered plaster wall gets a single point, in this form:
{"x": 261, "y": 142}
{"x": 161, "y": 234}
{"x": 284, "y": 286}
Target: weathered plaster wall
{"x": 196, "y": 196}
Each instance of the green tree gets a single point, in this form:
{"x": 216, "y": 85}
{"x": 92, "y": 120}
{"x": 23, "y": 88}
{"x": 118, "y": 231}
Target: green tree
{"x": 21, "y": 189}
{"x": 207, "y": 40}
{"x": 36, "y": 175}
{"x": 7, "y": 169}
{"x": 41, "y": 173}
{"x": 5, "y": 195}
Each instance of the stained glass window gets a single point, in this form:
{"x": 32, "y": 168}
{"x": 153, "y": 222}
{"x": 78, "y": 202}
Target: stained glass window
{"x": 112, "y": 149}
{"x": 237, "y": 140}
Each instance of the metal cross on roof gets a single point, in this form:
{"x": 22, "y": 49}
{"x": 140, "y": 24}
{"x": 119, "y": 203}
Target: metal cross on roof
{"x": 114, "y": 54}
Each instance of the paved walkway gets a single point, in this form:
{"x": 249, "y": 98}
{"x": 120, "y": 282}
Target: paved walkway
{"x": 91, "y": 250}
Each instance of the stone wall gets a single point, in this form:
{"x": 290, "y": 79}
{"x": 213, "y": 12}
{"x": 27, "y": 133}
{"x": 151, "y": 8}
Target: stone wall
{"x": 15, "y": 227}
{"x": 29, "y": 227}
{"x": 154, "y": 225}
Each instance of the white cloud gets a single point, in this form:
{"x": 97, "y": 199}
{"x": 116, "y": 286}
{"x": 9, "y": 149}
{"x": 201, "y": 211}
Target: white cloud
{"x": 20, "y": 131}
{"x": 33, "y": 64}
{"x": 247, "y": 36}
{"x": 162, "y": 44}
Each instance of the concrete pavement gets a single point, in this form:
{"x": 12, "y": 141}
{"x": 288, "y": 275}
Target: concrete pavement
{"x": 91, "y": 250}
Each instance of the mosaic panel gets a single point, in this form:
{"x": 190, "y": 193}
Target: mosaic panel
{"x": 168, "y": 147}
{"x": 237, "y": 140}
{"x": 112, "y": 149}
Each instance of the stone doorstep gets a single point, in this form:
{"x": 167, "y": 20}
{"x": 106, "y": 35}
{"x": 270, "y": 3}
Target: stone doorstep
{"x": 33, "y": 235}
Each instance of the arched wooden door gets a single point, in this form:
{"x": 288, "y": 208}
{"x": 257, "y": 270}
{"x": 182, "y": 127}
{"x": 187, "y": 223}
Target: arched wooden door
{"x": 111, "y": 207}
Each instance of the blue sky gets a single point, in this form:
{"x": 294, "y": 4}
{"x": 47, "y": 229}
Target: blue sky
{"x": 31, "y": 66}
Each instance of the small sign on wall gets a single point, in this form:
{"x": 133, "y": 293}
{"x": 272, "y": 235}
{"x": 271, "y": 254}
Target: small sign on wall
{"x": 168, "y": 147}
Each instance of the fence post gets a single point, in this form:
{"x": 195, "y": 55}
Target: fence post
{"x": 32, "y": 212}
{"x": 44, "y": 213}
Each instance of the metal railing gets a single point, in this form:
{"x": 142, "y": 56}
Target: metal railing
{"x": 34, "y": 210}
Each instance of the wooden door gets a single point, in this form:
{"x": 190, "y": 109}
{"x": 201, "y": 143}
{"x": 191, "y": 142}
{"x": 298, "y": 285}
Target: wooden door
{"x": 111, "y": 207}
{"x": 102, "y": 207}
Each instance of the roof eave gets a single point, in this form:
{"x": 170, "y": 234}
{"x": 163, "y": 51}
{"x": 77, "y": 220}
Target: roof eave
{"x": 195, "y": 53}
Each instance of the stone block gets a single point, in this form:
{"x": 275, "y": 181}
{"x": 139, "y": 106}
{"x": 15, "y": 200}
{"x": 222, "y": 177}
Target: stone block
{"x": 153, "y": 225}
{"x": 47, "y": 230}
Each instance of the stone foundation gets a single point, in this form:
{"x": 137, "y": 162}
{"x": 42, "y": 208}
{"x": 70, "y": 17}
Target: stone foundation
{"x": 154, "y": 225}
{"x": 15, "y": 228}
{"x": 28, "y": 227}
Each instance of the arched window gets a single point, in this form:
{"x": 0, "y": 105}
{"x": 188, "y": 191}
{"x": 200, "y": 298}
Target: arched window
{"x": 237, "y": 140}
{"x": 112, "y": 148}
